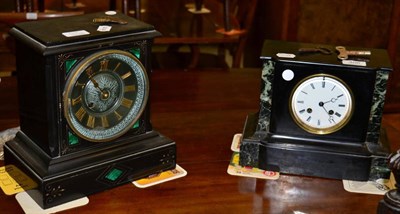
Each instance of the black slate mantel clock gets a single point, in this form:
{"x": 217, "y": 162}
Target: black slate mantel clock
{"x": 84, "y": 86}
{"x": 319, "y": 115}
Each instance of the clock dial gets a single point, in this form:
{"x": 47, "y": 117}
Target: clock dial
{"x": 105, "y": 95}
{"x": 321, "y": 104}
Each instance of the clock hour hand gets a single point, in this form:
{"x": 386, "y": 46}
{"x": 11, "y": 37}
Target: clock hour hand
{"x": 104, "y": 94}
{"x": 322, "y": 105}
{"x": 330, "y": 112}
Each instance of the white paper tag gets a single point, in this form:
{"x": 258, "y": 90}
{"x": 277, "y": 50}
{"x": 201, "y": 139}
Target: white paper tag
{"x": 111, "y": 12}
{"x": 286, "y": 55}
{"x": 104, "y": 28}
{"x": 353, "y": 62}
{"x": 75, "y": 33}
{"x": 31, "y": 16}
{"x": 287, "y": 74}
{"x": 235, "y": 146}
{"x": 378, "y": 187}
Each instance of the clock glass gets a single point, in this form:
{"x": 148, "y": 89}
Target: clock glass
{"x": 321, "y": 104}
{"x": 105, "y": 94}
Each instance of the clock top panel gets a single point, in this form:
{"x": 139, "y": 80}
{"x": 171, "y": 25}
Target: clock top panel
{"x": 318, "y": 54}
{"x": 80, "y": 28}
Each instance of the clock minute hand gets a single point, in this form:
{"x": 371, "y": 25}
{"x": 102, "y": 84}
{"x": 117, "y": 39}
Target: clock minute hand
{"x": 331, "y": 100}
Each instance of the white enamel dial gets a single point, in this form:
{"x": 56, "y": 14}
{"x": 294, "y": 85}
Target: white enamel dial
{"x": 321, "y": 104}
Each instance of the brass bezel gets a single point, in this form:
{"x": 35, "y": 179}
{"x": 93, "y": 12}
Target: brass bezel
{"x": 75, "y": 73}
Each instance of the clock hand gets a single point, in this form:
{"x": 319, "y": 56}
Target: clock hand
{"x": 330, "y": 112}
{"x": 104, "y": 94}
{"x": 331, "y": 100}
{"x": 322, "y": 105}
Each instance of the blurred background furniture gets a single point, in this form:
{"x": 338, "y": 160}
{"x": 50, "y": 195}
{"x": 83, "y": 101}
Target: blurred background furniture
{"x": 18, "y": 11}
{"x": 186, "y": 36}
{"x": 218, "y": 25}
{"x": 126, "y": 5}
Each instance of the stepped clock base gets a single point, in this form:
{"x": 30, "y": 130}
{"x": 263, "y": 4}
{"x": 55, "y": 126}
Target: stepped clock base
{"x": 295, "y": 156}
{"x": 66, "y": 178}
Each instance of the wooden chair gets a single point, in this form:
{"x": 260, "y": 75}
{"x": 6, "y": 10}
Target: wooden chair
{"x": 233, "y": 19}
{"x": 243, "y": 11}
{"x": 125, "y": 5}
{"x": 28, "y": 5}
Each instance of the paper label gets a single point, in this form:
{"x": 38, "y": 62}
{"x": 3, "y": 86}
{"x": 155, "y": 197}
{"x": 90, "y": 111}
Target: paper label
{"x": 13, "y": 180}
{"x": 378, "y": 187}
{"x": 287, "y": 74}
{"x": 286, "y": 55}
{"x": 169, "y": 175}
{"x": 75, "y": 33}
{"x": 104, "y": 28}
{"x": 354, "y": 62}
{"x": 235, "y": 146}
{"x": 31, "y": 16}
{"x": 111, "y": 13}
{"x": 235, "y": 169}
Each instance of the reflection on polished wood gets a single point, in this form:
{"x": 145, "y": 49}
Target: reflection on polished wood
{"x": 201, "y": 111}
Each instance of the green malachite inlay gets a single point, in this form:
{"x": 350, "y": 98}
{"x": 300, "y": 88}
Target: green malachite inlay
{"x": 136, "y": 52}
{"x": 136, "y": 125}
{"x": 72, "y": 139}
{"x": 68, "y": 64}
{"x": 113, "y": 174}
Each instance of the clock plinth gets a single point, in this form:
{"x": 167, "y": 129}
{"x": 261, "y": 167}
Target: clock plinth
{"x": 297, "y": 130}
{"x": 77, "y": 175}
{"x": 301, "y": 157}
{"x": 85, "y": 107}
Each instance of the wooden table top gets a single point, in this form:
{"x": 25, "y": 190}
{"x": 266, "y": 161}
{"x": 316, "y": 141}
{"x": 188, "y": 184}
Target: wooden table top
{"x": 201, "y": 110}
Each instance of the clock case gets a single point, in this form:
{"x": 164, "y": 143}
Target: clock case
{"x": 273, "y": 141}
{"x": 64, "y": 166}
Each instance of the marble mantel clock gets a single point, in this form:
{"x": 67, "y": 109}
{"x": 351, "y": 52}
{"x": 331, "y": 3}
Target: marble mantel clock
{"x": 319, "y": 115}
{"x": 84, "y": 106}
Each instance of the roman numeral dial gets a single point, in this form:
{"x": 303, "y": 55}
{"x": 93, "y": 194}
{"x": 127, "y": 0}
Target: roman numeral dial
{"x": 105, "y": 95}
{"x": 321, "y": 104}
